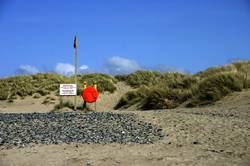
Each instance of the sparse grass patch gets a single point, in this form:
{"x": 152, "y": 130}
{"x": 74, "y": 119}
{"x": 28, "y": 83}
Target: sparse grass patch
{"x": 104, "y": 82}
{"x": 169, "y": 90}
{"x": 69, "y": 104}
{"x": 243, "y": 68}
{"x": 4, "y": 90}
{"x": 154, "y": 90}
{"x": 216, "y": 87}
{"x": 27, "y": 85}
{"x": 159, "y": 98}
{"x": 132, "y": 97}
{"x": 154, "y": 78}
{"x": 154, "y": 98}
{"x": 63, "y": 104}
{"x": 10, "y": 100}
{"x": 140, "y": 78}
{"x": 49, "y": 100}
{"x": 44, "y": 84}
{"x": 36, "y": 96}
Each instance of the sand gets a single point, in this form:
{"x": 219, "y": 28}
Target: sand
{"x": 212, "y": 135}
{"x": 105, "y": 102}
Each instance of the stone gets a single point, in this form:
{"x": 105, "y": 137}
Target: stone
{"x": 74, "y": 127}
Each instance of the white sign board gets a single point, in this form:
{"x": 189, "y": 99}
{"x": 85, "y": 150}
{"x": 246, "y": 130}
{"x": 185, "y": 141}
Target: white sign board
{"x": 67, "y": 89}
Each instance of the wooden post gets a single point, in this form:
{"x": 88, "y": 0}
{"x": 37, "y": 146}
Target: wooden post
{"x": 95, "y": 86}
{"x": 76, "y": 62}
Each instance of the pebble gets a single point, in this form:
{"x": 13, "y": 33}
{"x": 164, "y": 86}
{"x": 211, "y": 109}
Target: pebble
{"x": 19, "y": 130}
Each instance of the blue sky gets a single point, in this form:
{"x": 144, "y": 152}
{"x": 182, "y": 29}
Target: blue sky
{"x": 122, "y": 35}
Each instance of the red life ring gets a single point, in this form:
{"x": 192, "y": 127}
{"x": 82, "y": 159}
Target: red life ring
{"x": 90, "y": 95}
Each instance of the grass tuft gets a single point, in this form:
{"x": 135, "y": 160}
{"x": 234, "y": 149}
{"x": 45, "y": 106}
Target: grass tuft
{"x": 44, "y": 84}
{"x": 157, "y": 90}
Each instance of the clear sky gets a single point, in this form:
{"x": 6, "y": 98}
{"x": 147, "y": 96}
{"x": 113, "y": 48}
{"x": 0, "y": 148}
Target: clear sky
{"x": 190, "y": 35}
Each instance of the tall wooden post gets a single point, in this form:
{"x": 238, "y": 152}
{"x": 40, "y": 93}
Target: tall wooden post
{"x": 95, "y": 86}
{"x": 76, "y": 62}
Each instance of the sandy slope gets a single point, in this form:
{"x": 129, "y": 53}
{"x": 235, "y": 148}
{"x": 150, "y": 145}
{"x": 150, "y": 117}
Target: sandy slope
{"x": 214, "y": 135}
{"x": 105, "y": 102}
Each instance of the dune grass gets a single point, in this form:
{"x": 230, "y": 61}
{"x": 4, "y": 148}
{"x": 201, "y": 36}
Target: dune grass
{"x": 104, "y": 82}
{"x": 27, "y": 85}
{"x": 44, "y": 84}
{"x": 152, "y": 89}
{"x": 215, "y": 87}
{"x": 168, "y": 90}
{"x": 63, "y": 104}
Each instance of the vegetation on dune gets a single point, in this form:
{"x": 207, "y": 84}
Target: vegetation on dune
{"x": 215, "y": 87}
{"x": 140, "y": 78}
{"x": 168, "y": 90}
{"x": 69, "y": 105}
{"x": 171, "y": 90}
{"x": 155, "y": 78}
{"x": 160, "y": 98}
{"x": 132, "y": 97}
{"x": 43, "y": 84}
{"x": 63, "y": 104}
{"x": 104, "y": 82}
{"x": 49, "y": 100}
{"x": 27, "y": 85}
{"x": 152, "y": 89}
{"x": 4, "y": 90}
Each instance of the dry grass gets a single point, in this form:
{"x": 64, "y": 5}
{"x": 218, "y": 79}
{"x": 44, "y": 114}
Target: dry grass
{"x": 104, "y": 82}
{"x": 44, "y": 84}
{"x": 169, "y": 90}
{"x": 153, "y": 90}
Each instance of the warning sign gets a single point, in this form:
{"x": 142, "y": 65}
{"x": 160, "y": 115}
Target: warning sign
{"x": 68, "y": 89}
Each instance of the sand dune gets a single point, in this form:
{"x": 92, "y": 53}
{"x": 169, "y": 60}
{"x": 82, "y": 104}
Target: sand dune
{"x": 211, "y": 135}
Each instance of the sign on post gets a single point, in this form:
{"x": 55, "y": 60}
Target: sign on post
{"x": 68, "y": 89}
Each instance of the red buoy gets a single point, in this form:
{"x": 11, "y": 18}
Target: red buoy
{"x": 90, "y": 95}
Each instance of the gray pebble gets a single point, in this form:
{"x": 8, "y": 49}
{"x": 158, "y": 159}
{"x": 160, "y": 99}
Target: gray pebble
{"x": 92, "y": 128}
